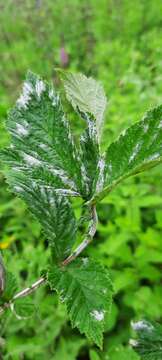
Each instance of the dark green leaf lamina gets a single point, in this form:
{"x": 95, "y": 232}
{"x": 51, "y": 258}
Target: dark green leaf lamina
{"x": 148, "y": 342}
{"x": 137, "y": 149}
{"x": 88, "y": 99}
{"x": 44, "y": 162}
{"x": 53, "y": 211}
{"x": 42, "y": 145}
{"x": 89, "y": 152}
{"x": 86, "y": 288}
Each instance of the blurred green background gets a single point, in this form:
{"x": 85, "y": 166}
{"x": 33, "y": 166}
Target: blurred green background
{"x": 118, "y": 42}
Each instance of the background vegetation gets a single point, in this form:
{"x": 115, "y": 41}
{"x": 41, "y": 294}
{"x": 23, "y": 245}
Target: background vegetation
{"x": 119, "y": 43}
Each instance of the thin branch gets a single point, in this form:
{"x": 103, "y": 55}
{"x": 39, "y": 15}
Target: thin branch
{"x": 23, "y": 293}
{"x": 30, "y": 289}
{"x": 90, "y": 235}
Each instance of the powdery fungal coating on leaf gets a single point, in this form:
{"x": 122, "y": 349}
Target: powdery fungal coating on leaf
{"x": 141, "y": 325}
{"x": 98, "y": 315}
{"x": 153, "y": 157}
{"x": 40, "y": 87}
{"x": 22, "y": 130}
{"x": 135, "y": 152}
{"x": 145, "y": 128}
{"x": 25, "y": 97}
{"x": 100, "y": 181}
{"x": 31, "y": 160}
{"x": 160, "y": 125}
{"x": 81, "y": 286}
{"x": 133, "y": 343}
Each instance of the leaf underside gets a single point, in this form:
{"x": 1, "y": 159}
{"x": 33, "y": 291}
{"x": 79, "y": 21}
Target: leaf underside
{"x": 86, "y": 289}
{"x": 87, "y": 95}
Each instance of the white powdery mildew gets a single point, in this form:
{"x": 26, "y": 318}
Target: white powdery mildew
{"x": 25, "y": 97}
{"x": 100, "y": 181}
{"x": 53, "y": 97}
{"x": 21, "y": 130}
{"x": 66, "y": 192}
{"x": 43, "y": 146}
{"x": 145, "y": 127}
{"x": 133, "y": 343}
{"x": 92, "y": 129}
{"x": 135, "y": 152}
{"x": 85, "y": 178}
{"x": 17, "y": 169}
{"x": 98, "y": 315}
{"x": 153, "y": 157}
{"x": 31, "y": 160}
{"x": 141, "y": 325}
{"x": 160, "y": 125}
{"x": 18, "y": 188}
{"x": 39, "y": 88}
{"x": 63, "y": 177}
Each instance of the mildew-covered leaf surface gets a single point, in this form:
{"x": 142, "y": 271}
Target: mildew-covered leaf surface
{"x": 86, "y": 289}
{"x": 148, "y": 341}
{"x": 137, "y": 149}
{"x": 42, "y": 145}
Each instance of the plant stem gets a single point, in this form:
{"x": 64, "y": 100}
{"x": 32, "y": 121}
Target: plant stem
{"x": 90, "y": 234}
{"x": 23, "y": 293}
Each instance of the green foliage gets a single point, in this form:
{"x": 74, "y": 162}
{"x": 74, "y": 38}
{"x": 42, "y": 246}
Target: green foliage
{"x": 68, "y": 349}
{"x": 136, "y": 150}
{"x": 121, "y": 45}
{"x": 87, "y": 95}
{"x": 10, "y": 288}
{"x": 87, "y": 301}
{"x": 121, "y": 353}
{"x": 23, "y": 308}
{"x": 148, "y": 343}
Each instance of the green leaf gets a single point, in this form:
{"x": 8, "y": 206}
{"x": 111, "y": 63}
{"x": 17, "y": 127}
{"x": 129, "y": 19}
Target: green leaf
{"x": 54, "y": 213}
{"x": 136, "y": 150}
{"x": 2, "y": 275}
{"x": 89, "y": 152}
{"x": 85, "y": 94}
{"x": 44, "y": 162}
{"x": 68, "y": 348}
{"x": 148, "y": 342}
{"x": 42, "y": 145}
{"x": 121, "y": 353}
{"x": 23, "y": 308}
{"x": 94, "y": 355}
{"x": 10, "y": 288}
{"x": 86, "y": 288}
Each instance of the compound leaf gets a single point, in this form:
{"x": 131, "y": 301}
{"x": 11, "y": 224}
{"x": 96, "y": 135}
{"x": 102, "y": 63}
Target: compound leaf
{"x": 136, "y": 150}
{"x": 86, "y": 288}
